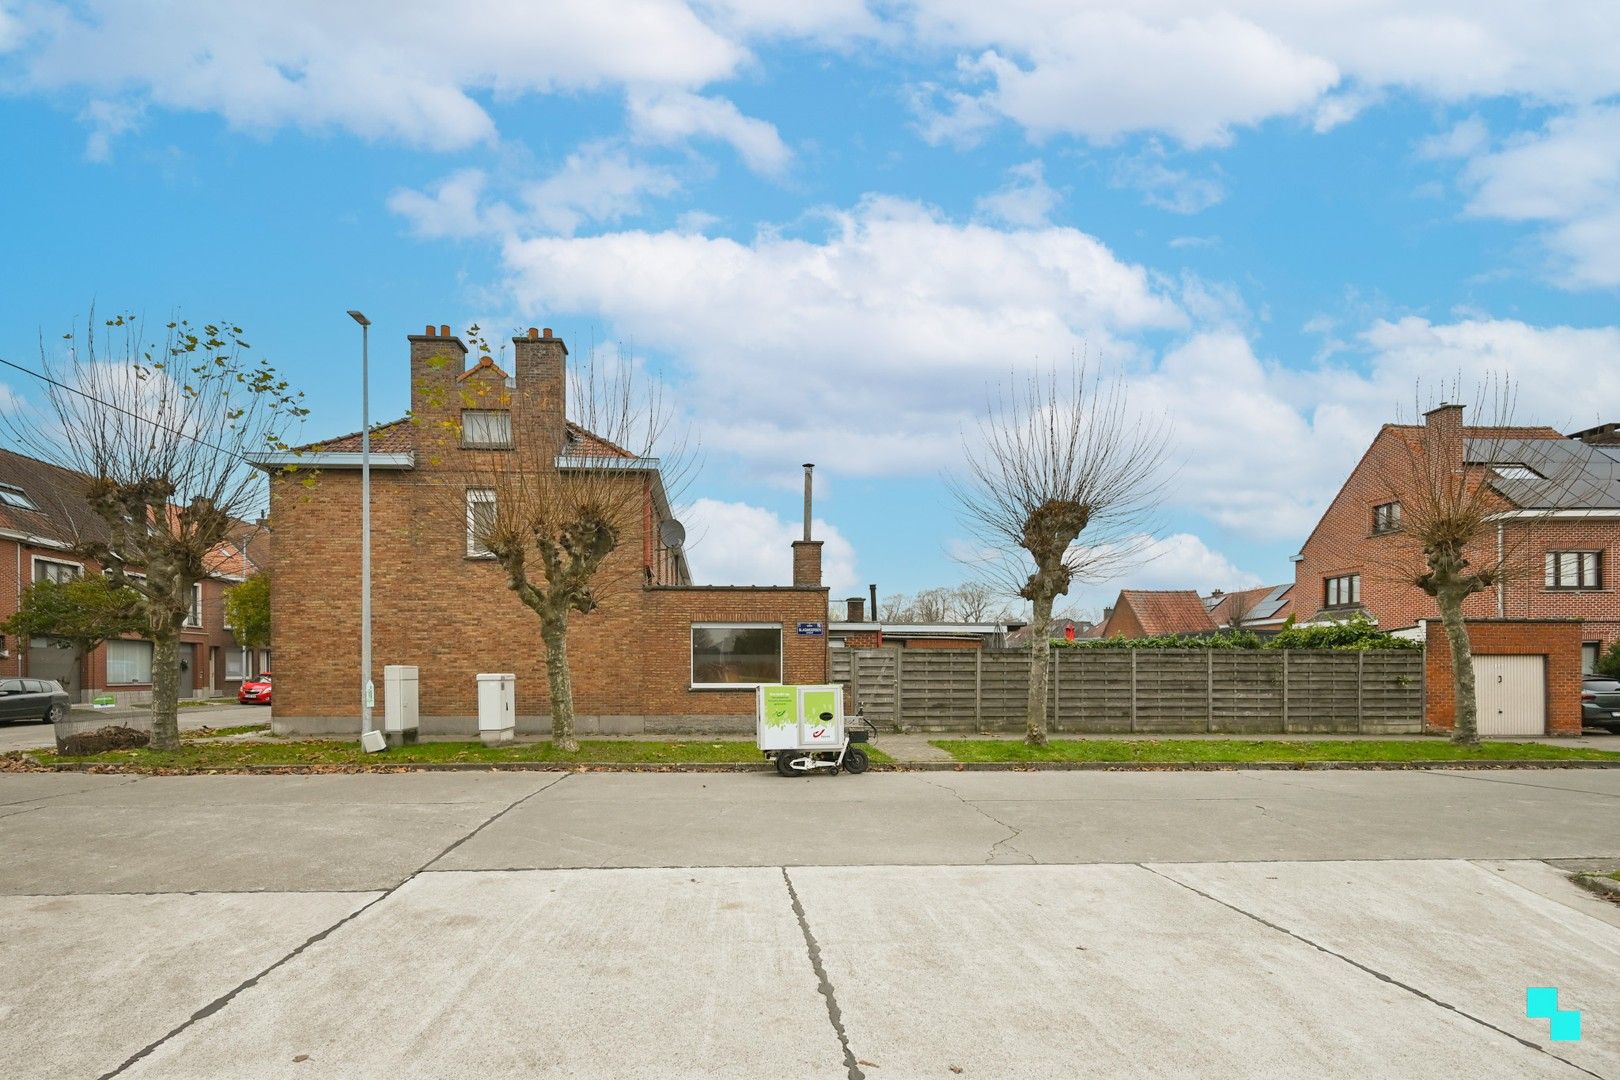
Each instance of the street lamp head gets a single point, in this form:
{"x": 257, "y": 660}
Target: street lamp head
{"x": 359, "y": 318}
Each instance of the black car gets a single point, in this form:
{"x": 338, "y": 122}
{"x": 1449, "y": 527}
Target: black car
{"x": 1600, "y": 702}
{"x": 32, "y": 699}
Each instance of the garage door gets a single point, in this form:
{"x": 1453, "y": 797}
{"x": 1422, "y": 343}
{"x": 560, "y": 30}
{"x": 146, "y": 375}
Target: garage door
{"x": 1512, "y": 694}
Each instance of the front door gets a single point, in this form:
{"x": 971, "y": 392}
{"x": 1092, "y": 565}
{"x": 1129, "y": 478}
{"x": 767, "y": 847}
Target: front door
{"x": 185, "y": 680}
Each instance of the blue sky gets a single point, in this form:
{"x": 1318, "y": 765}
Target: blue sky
{"x": 831, "y": 227}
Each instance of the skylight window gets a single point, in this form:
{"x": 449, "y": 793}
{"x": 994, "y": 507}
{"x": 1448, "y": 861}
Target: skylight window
{"x": 11, "y": 495}
{"x": 1516, "y": 472}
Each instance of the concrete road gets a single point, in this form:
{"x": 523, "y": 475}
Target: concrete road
{"x": 30, "y": 735}
{"x": 613, "y": 925}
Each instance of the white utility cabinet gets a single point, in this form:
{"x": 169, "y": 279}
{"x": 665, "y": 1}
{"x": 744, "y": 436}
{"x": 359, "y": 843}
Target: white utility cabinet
{"x": 400, "y": 703}
{"x": 497, "y": 707}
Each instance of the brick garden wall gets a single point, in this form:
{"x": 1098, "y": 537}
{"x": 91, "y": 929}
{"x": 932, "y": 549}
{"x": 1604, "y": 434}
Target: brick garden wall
{"x": 1558, "y": 640}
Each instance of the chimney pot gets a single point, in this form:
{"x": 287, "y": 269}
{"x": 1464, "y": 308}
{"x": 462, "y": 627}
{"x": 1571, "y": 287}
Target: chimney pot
{"x": 533, "y": 333}
{"x": 430, "y": 331}
{"x": 546, "y": 332}
{"x": 444, "y": 329}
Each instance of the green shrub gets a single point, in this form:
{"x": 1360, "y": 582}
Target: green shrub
{"x": 1609, "y": 663}
{"x": 1358, "y": 633}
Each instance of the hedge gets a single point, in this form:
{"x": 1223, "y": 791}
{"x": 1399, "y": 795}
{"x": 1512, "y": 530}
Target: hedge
{"x": 1356, "y": 634}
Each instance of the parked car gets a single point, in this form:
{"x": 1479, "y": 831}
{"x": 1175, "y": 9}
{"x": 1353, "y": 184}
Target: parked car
{"x": 1600, "y": 702}
{"x": 255, "y": 691}
{"x": 33, "y": 699}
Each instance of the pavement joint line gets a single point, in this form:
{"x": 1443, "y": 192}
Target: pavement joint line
{"x": 1521, "y": 783}
{"x": 1374, "y": 972}
{"x": 852, "y": 1068}
{"x": 225, "y": 999}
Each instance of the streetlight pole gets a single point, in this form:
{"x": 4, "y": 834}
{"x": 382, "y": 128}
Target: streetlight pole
{"x": 368, "y": 693}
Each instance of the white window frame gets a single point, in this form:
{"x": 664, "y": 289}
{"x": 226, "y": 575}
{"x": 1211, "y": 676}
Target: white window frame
{"x": 33, "y": 567}
{"x": 124, "y": 682}
{"x": 691, "y": 654}
{"x": 468, "y": 442}
{"x": 477, "y": 496}
{"x": 194, "y": 617}
{"x": 1582, "y": 560}
{"x": 12, "y": 495}
{"x": 1392, "y": 520}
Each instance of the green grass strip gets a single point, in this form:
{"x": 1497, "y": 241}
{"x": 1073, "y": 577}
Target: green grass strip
{"x": 1259, "y": 750}
{"x": 214, "y": 755}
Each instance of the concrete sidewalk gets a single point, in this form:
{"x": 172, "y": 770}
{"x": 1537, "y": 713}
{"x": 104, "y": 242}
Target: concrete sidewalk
{"x": 1240, "y": 924}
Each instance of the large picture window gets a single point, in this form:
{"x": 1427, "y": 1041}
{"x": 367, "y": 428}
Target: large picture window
{"x": 736, "y": 654}
{"x": 55, "y": 570}
{"x": 129, "y": 662}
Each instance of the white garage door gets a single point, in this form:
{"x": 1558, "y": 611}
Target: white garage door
{"x": 1512, "y": 693}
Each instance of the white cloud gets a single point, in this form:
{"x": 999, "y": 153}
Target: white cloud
{"x": 733, "y": 543}
{"x": 1567, "y": 177}
{"x": 1175, "y": 190}
{"x": 597, "y": 183}
{"x": 409, "y": 70}
{"x": 1099, "y": 70}
{"x": 1463, "y": 139}
{"x": 869, "y": 346}
{"x": 872, "y": 350}
{"x": 676, "y": 116}
{"x": 1179, "y": 560}
{"x": 107, "y": 120}
{"x": 1026, "y": 199}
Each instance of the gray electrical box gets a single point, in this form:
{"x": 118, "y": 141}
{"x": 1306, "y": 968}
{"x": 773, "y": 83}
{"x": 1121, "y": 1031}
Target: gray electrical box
{"x": 399, "y": 703}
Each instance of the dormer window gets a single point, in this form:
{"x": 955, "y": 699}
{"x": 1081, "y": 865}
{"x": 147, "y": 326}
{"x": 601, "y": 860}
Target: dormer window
{"x": 11, "y": 495}
{"x": 486, "y": 429}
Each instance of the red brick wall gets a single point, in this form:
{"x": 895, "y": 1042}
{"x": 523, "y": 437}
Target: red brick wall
{"x": 864, "y": 639}
{"x": 1559, "y": 641}
{"x": 1122, "y": 623}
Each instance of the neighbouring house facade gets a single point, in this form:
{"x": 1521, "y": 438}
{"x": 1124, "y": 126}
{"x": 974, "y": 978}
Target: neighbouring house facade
{"x": 658, "y": 654}
{"x": 1559, "y": 510}
{"x": 42, "y": 511}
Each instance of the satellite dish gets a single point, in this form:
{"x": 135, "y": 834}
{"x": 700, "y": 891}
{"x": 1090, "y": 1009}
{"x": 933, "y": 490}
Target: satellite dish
{"x": 673, "y": 534}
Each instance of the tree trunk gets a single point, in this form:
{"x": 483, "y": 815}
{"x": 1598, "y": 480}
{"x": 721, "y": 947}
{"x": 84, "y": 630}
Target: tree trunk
{"x": 1465, "y": 728}
{"x": 561, "y": 686}
{"x": 1040, "y": 672}
{"x": 165, "y": 693}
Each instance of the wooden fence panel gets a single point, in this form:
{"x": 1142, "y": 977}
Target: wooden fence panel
{"x": 1246, "y": 691}
{"x": 1323, "y": 688}
{"x": 1143, "y": 690}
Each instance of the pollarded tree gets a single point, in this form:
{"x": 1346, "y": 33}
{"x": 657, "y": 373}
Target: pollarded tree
{"x": 1466, "y": 501}
{"x": 162, "y": 430}
{"x": 1061, "y": 485}
{"x": 557, "y": 514}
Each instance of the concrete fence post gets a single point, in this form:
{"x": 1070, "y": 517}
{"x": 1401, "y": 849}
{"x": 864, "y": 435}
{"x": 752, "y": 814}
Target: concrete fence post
{"x": 1057, "y": 697}
{"x": 1361, "y": 692}
{"x": 978, "y": 691}
{"x": 1209, "y": 687}
{"x": 899, "y": 689}
{"x": 1133, "y": 688}
{"x": 1285, "y": 691}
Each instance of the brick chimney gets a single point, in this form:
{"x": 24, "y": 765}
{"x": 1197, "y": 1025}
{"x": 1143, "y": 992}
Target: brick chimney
{"x": 807, "y": 563}
{"x": 856, "y": 612}
{"x": 540, "y": 365}
{"x": 437, "y": 361}
{"x": 1443, "y": 436}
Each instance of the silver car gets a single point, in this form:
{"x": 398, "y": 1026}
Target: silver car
{"x": 32, "y": 699}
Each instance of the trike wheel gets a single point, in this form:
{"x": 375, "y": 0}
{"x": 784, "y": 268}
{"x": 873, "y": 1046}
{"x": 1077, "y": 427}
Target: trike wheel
{"x": 784, "y": 763}
{"x": 856, "y": 760}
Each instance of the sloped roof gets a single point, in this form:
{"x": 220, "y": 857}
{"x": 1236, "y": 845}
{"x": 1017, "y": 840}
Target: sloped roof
{"x": 399, "y": 437}
{"x": 1257, "y": 605}
{"x": 1573, "y": 475}
{"x": 1166, "y": 611}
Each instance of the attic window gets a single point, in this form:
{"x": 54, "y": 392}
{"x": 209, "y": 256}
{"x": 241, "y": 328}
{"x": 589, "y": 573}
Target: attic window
{"x": 486, "y": 429}
{"x": 1516, "y": 472}
{"x": 16, "y": 496}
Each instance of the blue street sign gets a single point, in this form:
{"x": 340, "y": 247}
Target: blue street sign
{"x": 809, "y": 629}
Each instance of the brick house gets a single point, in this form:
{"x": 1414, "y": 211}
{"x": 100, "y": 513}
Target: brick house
{"x": 659, "y": 654}
{"x": 856, "y": 631}
{"x": 1263, "y": 610}
{"x": 1559, "y": 520}
{"x": 1139, "y": 613}
{"x": 42, "y": 511}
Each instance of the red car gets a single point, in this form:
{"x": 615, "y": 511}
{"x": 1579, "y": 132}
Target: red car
{"x": 255, "y": 691}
